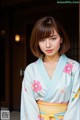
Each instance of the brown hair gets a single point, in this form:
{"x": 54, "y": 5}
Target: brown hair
{"x": 43, "y": 29}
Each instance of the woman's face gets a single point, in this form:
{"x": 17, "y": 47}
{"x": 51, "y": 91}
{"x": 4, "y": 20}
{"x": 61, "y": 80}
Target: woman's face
{"x": 50, "y": 46}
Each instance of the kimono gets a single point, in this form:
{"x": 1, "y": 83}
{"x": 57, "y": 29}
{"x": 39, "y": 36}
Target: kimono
{"x": 64, "y": 86}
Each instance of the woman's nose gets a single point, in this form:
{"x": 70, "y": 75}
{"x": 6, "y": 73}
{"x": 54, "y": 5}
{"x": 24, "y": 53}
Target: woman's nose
{"x": 48, "y": 44}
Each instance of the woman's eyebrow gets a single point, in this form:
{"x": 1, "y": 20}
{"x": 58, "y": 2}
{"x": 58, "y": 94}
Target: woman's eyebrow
{"x": 53, "y": 35}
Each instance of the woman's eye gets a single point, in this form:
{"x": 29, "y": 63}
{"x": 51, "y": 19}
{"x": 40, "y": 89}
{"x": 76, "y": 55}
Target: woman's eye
{"x": 42, "y": 40}
{"x": 54, "y": 38}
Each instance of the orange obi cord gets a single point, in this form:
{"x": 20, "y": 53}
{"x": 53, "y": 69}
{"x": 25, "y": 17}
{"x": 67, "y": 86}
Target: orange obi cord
{"x": 53, "y": 111}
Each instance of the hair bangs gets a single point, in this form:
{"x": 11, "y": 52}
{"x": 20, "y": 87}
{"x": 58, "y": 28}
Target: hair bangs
{"x": 44, "y": 32}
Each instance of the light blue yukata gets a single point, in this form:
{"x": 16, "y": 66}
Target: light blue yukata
{"x": 64, "y": 86}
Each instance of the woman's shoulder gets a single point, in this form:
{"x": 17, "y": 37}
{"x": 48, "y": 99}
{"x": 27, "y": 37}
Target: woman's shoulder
{"x": 74, "y": 63}
{"x": 31, "y": 66}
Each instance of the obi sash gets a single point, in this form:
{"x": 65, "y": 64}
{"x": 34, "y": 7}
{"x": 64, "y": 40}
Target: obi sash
{"x": 53, "y": 111}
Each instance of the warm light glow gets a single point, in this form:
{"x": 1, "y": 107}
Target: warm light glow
{"x": 3, "y": 32}
{"x": 17, "y": 38}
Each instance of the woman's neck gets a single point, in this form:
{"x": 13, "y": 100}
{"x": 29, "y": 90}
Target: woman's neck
{"x": 51, "y": 59}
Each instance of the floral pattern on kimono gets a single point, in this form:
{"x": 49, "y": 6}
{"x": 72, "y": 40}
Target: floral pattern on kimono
{"x": 64, "y": 86}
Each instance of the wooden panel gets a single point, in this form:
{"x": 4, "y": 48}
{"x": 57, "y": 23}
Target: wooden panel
{"x": 2, "y": 68}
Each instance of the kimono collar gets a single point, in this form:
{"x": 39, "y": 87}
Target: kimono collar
{"x": 57, "y": 73}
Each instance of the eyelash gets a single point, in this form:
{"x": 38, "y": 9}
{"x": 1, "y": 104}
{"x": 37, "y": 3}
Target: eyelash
{"x": 53, "y": 38}
{"x": 42, "y": 40}
{"x": 50, "y": 39}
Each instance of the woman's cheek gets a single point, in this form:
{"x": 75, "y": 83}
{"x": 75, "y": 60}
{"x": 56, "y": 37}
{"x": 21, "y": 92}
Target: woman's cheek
{"x": 57, "y": 44}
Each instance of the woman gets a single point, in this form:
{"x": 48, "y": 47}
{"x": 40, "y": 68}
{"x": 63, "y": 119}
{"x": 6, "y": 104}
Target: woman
{"x": 51, "y": 85}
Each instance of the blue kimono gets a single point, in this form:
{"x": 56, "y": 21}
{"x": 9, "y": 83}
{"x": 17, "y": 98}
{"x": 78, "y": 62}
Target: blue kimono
{"x": 64, "y": 86}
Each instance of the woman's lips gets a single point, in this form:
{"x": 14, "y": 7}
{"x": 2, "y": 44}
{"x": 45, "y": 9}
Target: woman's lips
{"x": 49, "y": 51}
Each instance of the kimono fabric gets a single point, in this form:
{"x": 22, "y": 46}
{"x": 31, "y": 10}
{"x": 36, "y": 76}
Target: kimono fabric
{"x": 55, "y": 111}
{"x": 63, "y": 87}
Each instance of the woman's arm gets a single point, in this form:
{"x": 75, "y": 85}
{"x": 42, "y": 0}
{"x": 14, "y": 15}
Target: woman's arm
{"x": 29, "y": 108}
{"x": 73, "y": 111}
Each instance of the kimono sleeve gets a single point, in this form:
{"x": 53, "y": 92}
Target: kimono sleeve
{"x": 29, "y": 109}
{"x": 73, "y": 111}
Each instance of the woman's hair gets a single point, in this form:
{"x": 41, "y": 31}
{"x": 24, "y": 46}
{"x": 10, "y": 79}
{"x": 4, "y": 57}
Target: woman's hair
{"x": 43, "y": 29}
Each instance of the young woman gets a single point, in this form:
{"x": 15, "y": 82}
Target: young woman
{"x": 51, "y": 85}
